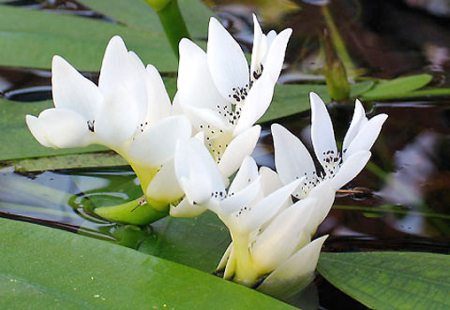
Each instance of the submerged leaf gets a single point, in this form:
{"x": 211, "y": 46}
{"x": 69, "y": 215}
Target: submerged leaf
{"x": 390, "y": 280}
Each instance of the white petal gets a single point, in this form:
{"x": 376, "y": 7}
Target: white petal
{"x": 270, "y": 180}
{"x": 292, "y": 159}
{"x": 186, "y": 209}
{"x": 259, "y": 47}
{"x": 119, "y": 69}
{"x": 240, "y": 147}
{"x": 196, "y": 171}
{"x": 283, "y": 236}
{"x": 125, "y": 94}
{"x": 275, "y": 55}
{"x": 322, "y": 133}
{"x": 37, "y": 128}
{"x": 267, "y": 207}
{"x": 358, "y": 120}
{"x": 226, "y": 60}
{"x": 164, "y": 186}
{"x": 350, "y": 168}
{"x": 298, "y": 270}
{"x": 176, "y": 108}
{"x": 196, "y": 87}
{"x": 366, "y": 136}
{"x": 225, "y": 257}
{"x": 206, "y": 117}
{"x": 238, "y": 200}
{"x": 62, "y": 128}
{"x": 159, "y": 106}
{"x": 231, "y": 266}
{"x": 156, "y": 145}
{"x": 324, "y": 194}
{"x": 256, "y": 104}
{"x": 248, "y": 172}
{"x": 72, "y": 91}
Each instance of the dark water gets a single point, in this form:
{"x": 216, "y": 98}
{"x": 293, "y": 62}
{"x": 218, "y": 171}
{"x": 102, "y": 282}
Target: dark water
{"x": 404, "y": 193}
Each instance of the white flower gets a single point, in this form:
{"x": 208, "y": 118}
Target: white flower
{"x": 293, "y": 161}
{"x": 217, "y": 94}
{"x": 128, "y": 112}
{"x": 270, "y": 236}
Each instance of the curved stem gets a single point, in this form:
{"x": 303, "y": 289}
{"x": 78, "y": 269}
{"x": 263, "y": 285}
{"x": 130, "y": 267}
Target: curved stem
{"x": 173, "y": 24}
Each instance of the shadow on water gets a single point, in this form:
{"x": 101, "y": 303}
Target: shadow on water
{"x": 404, "y": 191}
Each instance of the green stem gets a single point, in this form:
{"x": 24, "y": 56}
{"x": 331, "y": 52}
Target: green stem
{"x": 172, "y": 21}
{"x": 338, "y": 42}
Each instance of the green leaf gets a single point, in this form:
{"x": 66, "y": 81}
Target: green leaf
{"x": 423, "y": 93}
{"x": 358, "y": 89}
{"x": 81, "y": 41}
{"x": 292, "y": 99}
{"x": 45, "y": 268}
{"x": 196, "y": 242}
{"x": 140, "y": 15}
{"x": 397, "y": 88}
{"x": 390, "y": 280}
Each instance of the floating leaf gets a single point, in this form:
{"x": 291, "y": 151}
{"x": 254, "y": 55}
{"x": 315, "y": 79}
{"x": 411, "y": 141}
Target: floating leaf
{"x": 46, "y": 268}
{"x": 390, "y": 280}
{"x": 140, "y": 15}
{"x": 292, "y": 99}
{"x": 82, "y": 41}
{"x": 360, "y": 88}
{"x": 423, "y": 93}
{"x": 396, "y": 88}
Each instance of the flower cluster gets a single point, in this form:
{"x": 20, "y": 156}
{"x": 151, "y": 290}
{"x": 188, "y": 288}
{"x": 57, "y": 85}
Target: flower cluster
{"x": 184, "y": 153}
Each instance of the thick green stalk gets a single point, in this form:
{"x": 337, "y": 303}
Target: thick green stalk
{"x": 172, "y": 21}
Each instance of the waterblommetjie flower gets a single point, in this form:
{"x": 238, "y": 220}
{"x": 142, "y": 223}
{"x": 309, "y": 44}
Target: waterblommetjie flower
{"x": 271, "y": 238}
{"x": 222, "y": 98}
{"x": 129, "y": 112}
{"x": 219, "y": 94}
{"x": 293, "y": 160}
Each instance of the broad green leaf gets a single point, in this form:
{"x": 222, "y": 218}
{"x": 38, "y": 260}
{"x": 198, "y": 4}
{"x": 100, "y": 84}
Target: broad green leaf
{"x": 292, "y": 99}
{"x": 423, "y": 93}
{"x": 82, "y": 41}
{"x": 140, "y": 15}
{"x": 360, "y": 88}
{"x": 196, "y": 242}
{"x": 390, "y": 280}
{"x": 44, "y": 268}
{"x": 397, "y": 87}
